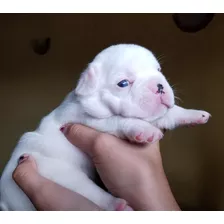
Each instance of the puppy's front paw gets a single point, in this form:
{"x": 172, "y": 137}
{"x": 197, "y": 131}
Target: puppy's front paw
{"x": 145, "y": 134}
{"x": 203, "y": 117}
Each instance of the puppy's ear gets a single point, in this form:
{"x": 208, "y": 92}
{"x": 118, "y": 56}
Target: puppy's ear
{"x": 89, "y": 81}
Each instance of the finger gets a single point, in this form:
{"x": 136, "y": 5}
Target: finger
{"x": 45, "y": 194}
{"x": 26, "y": 175}
{"x": 81, "y": 136}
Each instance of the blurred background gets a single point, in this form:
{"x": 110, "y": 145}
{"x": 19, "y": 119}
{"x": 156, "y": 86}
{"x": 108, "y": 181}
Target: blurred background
{"x": 42, "y": 55}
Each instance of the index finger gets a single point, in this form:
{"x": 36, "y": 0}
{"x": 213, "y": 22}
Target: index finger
{"x": 81, "y": 136}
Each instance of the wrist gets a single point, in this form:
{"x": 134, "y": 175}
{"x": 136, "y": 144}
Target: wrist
{"x": 154, "y": 194}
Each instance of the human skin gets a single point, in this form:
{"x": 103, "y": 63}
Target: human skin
{"x": 130, "y": 171}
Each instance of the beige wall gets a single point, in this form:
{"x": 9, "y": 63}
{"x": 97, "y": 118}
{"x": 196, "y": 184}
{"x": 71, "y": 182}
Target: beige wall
{"x": 32, "y": 85}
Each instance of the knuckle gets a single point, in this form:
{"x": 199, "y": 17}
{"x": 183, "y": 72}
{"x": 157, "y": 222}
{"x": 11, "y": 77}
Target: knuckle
{"x": 74, "y": 130}
{"x": 101, "y": 141}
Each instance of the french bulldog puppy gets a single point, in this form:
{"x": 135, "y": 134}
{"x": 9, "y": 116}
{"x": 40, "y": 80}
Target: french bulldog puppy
{"x": 122, "y": 92}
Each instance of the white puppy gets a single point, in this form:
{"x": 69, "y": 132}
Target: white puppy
{"x": 122, "y": 92}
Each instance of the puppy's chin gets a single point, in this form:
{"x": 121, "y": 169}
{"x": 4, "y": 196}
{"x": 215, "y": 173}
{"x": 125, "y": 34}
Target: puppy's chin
{"x": 155, "y": 113}
{"x": 158, "y": 112}
{"x": 151, "y": 107}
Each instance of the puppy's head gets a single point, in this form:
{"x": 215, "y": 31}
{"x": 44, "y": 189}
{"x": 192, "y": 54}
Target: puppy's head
{"x": 127, "y": 80}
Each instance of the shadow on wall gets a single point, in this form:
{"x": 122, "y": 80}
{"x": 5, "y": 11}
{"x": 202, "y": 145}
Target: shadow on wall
{"x": 34, "y": 84}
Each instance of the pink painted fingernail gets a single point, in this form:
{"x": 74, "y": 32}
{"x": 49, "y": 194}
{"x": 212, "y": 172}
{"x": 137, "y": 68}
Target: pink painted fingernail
{"x": 63, "y": 128}
{"x": 23, "y": 158}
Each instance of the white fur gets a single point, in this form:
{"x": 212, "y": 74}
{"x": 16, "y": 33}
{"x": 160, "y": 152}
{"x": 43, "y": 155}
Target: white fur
{"x": 136, "y": 112}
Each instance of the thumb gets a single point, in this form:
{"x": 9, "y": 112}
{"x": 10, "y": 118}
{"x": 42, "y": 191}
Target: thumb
{"x": 81, "y": 136}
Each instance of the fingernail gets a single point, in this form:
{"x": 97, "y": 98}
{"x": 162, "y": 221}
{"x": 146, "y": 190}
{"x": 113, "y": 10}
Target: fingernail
{"x": 64, "y": 128}
{"x": 23, "y": 158}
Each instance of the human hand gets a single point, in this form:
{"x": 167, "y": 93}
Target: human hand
{"x": 45, "y": 194}
{"x": 133, "y": 172}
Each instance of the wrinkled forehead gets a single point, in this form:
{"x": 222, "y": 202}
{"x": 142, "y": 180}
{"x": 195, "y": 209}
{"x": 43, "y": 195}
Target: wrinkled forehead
{"x": 129, "y": 59}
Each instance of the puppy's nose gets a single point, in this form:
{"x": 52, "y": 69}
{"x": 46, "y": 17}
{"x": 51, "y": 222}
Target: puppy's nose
{"x": 160, "y": 88}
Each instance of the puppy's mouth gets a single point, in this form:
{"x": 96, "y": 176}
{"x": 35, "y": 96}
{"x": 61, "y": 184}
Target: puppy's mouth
{"x": 166, "y": 101}
{"x": 169, "y": 106}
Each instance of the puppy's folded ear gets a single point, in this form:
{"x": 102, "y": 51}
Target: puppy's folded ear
{"x": 89, "y": 81}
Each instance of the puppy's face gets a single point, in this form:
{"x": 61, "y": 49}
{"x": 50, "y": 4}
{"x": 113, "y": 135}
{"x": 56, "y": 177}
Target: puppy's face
{"x": 127, "y": 79}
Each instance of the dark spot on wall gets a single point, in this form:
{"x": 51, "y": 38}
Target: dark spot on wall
{"x": 41, "y": 45}
{"x": 192, "y": 22}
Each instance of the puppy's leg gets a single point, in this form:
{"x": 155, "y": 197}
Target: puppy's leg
{"x": 178, "y": 116}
